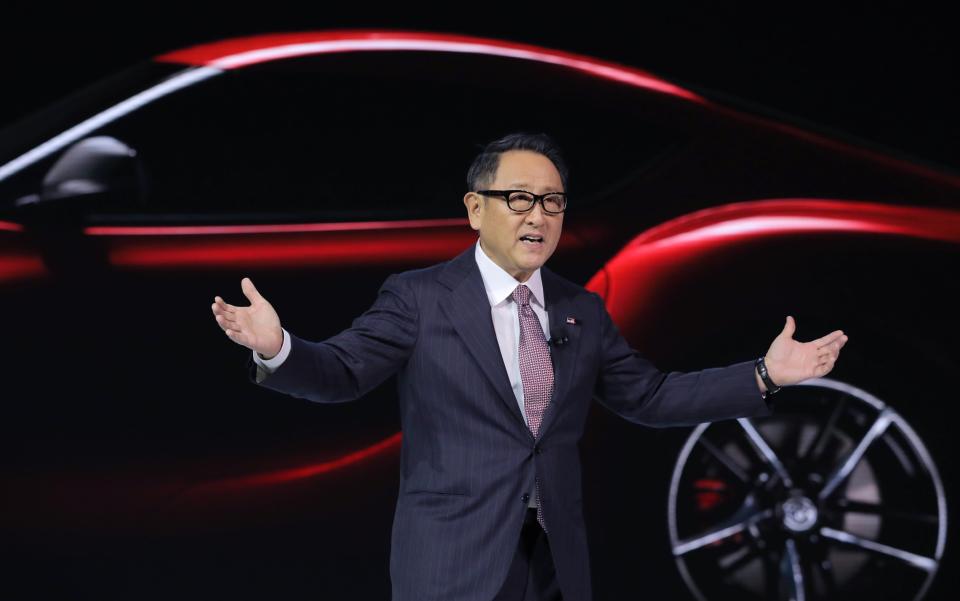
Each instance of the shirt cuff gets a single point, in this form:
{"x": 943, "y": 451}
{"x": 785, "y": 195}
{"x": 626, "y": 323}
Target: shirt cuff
{"x": 271, "y": 365}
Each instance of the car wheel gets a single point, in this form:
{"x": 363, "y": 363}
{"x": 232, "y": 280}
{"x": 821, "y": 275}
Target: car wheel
{"x": 832, "y": 496}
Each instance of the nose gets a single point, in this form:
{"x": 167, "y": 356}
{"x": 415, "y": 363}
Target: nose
{"x": 536, "y": 214}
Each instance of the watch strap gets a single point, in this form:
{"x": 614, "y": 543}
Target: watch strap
{"x": 765, "y": 376}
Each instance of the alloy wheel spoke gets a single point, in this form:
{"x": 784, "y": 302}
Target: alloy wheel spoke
{"x": 791, "y": 574}
{"x": 739, "y": 558}
{"x": 816, "y": 448}
{"x": 791, "y": 441}
{"x": 848, "y": 506}
{"x": 725, "y": 460}
{"x": 735, "y": 525}
{"x": 846, "y": 466}
{"x": 919, "y": 561}
{"x": 766, "y": 453}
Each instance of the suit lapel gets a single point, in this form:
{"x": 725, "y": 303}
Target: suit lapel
{"x": 467, "y": 308}
{"x": 558, "y": 305}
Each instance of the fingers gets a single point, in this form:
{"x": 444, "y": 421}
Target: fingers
{"x": 226, "y": 322}
{"x": 825, "y": 360}
{"x": 234, "y": 332}
{"x": 826, "y": 365}
{"x": 828, "y": 357}
{"x": 220, "y": 308}
{"x": 833, "y": 345}
{"x": 836, "y": 334}
{"x": 828, "y": 353}
{"x": 226, "y": 315}
{"x": 219, "y": 303}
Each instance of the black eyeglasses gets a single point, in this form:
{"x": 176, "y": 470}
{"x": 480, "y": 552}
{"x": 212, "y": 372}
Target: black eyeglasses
{"x": 522, "y": 201}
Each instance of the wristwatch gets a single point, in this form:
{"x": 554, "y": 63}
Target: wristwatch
{"x": 762, "y": 370}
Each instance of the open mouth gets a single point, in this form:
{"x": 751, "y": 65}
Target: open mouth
{"x": 530, "y": 240}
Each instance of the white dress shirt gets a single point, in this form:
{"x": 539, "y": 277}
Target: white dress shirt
{"x": 505, "y": 313}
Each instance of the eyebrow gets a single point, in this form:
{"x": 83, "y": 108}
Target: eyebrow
{"x": 521, "y": 186}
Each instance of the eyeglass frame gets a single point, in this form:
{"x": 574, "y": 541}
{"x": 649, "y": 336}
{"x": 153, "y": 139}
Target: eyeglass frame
{"x": 505, "y": 194}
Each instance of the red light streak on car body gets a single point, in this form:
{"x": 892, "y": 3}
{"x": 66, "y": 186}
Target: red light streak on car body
{"x": 14, "y": 267}
{"x": 293, "y": 245}
{"x": 285, "y": 245}
{"x": 283, "y": 228}
{"x": 631, "y": 279}
{"x": 281, "y": 476}
{"x": 14, "y": 263}
{"x": 388, "y": 248}
{"x": 246, "y": 51}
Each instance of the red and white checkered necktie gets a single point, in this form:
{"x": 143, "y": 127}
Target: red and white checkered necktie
{"x": 536, "y": 371}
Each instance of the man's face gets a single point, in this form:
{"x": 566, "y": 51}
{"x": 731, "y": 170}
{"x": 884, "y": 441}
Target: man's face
{"x": 501, "y": 228}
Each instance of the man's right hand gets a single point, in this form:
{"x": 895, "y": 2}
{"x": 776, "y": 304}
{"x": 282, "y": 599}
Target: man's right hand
{"x": 256, "y": 327}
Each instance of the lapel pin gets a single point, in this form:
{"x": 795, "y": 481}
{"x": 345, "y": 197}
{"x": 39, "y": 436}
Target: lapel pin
{"x": 572, "y": 320}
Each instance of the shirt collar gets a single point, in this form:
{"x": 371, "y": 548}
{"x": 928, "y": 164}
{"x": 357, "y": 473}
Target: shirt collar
{"x": 500, "y": 285}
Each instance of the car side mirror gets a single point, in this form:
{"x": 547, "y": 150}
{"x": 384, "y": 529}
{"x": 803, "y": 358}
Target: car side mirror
{"x": 93, "y": 174}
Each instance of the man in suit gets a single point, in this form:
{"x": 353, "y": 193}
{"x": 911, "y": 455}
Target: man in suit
{"x": 497, "y": 360}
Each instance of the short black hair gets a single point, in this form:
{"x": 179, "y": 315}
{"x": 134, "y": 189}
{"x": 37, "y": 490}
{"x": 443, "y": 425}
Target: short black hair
{"x": 483, "y": 170}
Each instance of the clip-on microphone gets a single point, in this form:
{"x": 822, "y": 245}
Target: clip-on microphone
{"x": 558, "y": 336}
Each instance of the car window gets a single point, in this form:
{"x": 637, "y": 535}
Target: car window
{"x": 372, "y": 135}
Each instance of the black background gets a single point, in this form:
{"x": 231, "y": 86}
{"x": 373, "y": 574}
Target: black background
{"x": 880, "y": 72}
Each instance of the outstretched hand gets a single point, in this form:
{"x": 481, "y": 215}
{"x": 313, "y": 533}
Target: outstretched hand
{"x": 256, "y": 327}
{"x": 790, "y": 361}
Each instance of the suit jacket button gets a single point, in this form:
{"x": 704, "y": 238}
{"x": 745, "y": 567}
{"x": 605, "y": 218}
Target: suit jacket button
{"x": 525, "y": 498}
{"x": 537, "y": 449}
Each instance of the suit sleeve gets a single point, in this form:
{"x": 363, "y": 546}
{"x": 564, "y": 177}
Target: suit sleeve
{"x": 346, "y": 366}
{"x": 635, "y": 389}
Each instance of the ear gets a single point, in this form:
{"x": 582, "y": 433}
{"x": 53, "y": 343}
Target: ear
{"x": 471, "y": 201}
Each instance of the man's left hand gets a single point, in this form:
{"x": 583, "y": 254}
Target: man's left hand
{"x": 790, "y": 361}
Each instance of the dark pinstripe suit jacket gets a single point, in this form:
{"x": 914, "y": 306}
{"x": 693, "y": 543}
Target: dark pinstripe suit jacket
{"x": 467, "y": 458}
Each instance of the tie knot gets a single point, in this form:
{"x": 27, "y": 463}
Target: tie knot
{"x": 521, "y": 294}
